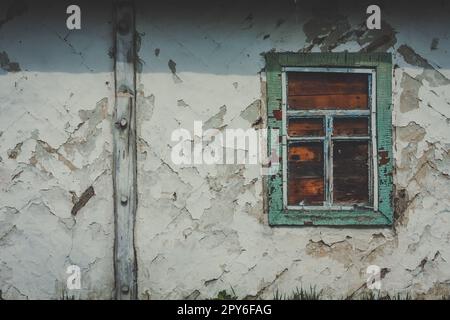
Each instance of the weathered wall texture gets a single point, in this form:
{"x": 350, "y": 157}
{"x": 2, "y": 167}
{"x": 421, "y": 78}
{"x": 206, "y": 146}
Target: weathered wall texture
{"x": 202, "y": 228}
{"x": 55, "y": 143}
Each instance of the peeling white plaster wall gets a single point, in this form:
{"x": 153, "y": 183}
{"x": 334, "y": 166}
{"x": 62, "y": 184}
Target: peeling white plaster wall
{"x": 55, "y": 142}
{"x": 202, "y": 229}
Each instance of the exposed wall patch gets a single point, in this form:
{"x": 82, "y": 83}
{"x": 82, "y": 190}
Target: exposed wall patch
{"x": 8, "y": 65}
{"x": 83, "y": 200}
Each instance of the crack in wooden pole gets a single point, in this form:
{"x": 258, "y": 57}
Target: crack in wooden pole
{"x": 124, "y": 135}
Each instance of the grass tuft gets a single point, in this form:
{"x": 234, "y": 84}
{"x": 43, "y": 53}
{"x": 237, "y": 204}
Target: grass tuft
{"x": 224, "y": 295}
{"x": 371, "y": 295}
{"x": 300, "y": 294}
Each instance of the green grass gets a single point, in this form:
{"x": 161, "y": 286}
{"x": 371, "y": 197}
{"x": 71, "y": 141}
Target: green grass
{"x": 299, "y": 294}
{"x": 313, "y": 294}
{"x": 371, "y": 295}
{"x": 224, "y": 295}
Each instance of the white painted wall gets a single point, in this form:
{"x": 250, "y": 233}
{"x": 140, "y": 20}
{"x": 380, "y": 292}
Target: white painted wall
{"x": 201, "y": 229}
{"x": 55, "y": 114}
{"x": 213, "y": 235}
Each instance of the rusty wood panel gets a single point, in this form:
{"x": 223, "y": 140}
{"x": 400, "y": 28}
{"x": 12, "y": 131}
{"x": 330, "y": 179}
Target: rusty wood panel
{"x": 352, "y": 126}
{"x": 351, "y": 172}
{"x": 324, "y": 90}
{"x": 305, "y": 173}
{"x": 326, "y": 83}
{"x": 306, "y": 191}
{"x": 329, "y": 102}
{"x": 298, "y": 169}
{"x": 352, "y": 168}
{"x": 124, "y": 177}
{"x": 305, "y": 127}
{"x": 350, "y": 190}
{"x": 306, "y": 152}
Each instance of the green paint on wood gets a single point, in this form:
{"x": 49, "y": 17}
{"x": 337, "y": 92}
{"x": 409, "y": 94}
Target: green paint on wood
{"x": 382, "y": 63}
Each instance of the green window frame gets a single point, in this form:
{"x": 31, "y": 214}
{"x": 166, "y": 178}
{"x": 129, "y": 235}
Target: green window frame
{"x": 380, "y": 214}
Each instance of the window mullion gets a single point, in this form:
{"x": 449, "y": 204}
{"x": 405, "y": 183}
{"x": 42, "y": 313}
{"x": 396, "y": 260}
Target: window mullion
{"x": 374, "y": 143}
{"x": 328, "y": 160}
{"x": 284, "y": 136}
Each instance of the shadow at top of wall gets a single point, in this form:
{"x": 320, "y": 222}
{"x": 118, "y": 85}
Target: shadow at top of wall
{"x": 217, "y": 36}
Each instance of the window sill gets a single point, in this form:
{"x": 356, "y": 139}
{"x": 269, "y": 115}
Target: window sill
{"x": 358, "y": 217}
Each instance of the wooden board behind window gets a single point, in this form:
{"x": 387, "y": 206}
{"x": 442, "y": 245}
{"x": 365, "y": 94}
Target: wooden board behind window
{"x": 306, "y": 173}
{"x": 323, "y": 90}
{"x": 351, "y": 126}
{"x": 350, "y": 171}
{"x": 306, "y": 127}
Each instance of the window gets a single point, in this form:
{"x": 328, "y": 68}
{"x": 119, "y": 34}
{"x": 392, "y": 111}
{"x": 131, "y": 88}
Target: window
{"x": 333, "y": 113}
{"x": 328, "y": 160}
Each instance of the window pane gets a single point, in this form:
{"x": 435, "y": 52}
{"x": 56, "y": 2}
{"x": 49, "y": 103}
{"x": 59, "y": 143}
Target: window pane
{"x": 326, "y": 90}
{"x": 350, "y": 172}
{"x": 351, "y": 126}
{"x": 305, "y": 173}
{"x": 305, "y": 127}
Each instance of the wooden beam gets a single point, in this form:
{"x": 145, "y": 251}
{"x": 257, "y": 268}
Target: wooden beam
{"x": 124, "y": 134}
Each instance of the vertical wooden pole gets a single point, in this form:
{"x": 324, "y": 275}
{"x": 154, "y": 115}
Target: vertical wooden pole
{"x": 125, "y": 199}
